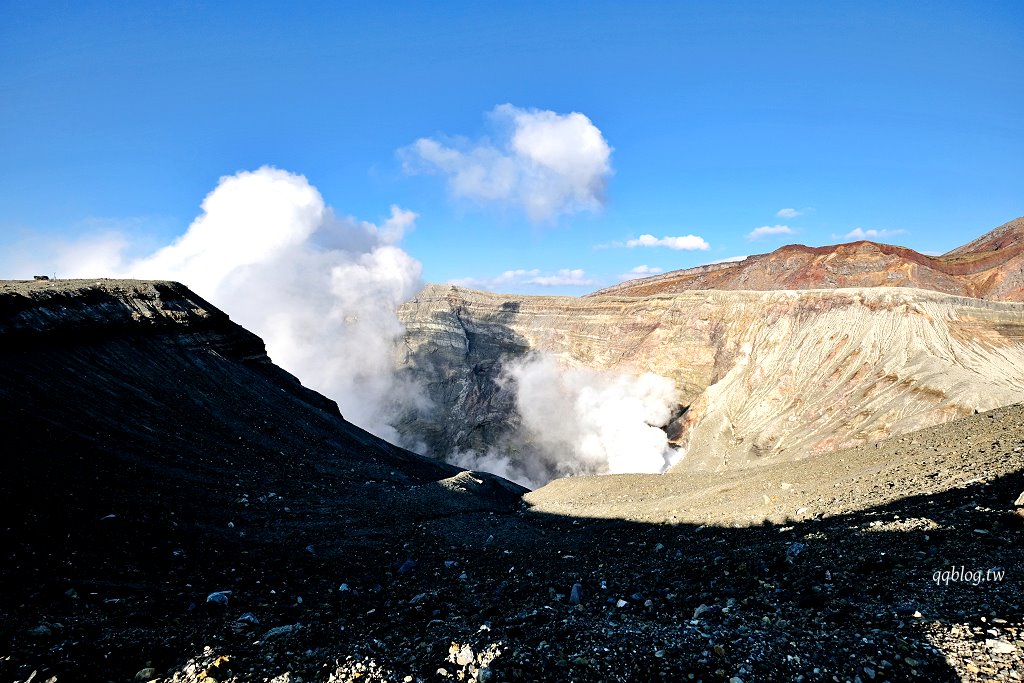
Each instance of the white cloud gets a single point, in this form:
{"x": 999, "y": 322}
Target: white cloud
{"x": 684, "y": 242}
{"x": 565, "y": 276}
{"x": 766, "y": 230}
{"x": 545, "y": 163}
{"x": 641, "y": 271}
{"x": 870, "y": 234}
{"x": 731, "y": 259}
{"x": 97, "y": 254}
{"x": 534, "y": 276}
{"x": 789, "y": 212}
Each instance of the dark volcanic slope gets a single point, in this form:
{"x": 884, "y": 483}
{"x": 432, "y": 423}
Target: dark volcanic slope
{"x": 148, "y": 383}
{"x": 153, "y": 456}
{"x": 990, "y": 267}
{"x": 146, "y": 436}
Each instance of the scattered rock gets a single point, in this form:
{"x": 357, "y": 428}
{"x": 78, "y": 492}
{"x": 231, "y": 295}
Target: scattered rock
{"x": 219, "y": 597}
{"x": 281, "y": 631}
{"x": 1000, "y": 647}
{"x": 906, "y": 610}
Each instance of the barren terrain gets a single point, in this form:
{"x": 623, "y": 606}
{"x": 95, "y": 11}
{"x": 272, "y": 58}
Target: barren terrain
{"x": 177, "y": 508}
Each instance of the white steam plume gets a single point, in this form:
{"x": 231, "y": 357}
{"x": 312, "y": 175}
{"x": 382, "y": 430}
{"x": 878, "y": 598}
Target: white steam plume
{"x": 320, "y": 289}
{"x": 579, "y": 420}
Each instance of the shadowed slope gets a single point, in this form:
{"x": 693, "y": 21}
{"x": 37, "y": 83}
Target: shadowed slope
{"x": 138, "y": 421}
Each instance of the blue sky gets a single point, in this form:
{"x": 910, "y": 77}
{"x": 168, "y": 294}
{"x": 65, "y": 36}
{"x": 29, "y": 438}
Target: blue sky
{"x": 900, "y": 118}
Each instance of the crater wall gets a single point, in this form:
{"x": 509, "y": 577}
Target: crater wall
{"x": 775, "y": 375}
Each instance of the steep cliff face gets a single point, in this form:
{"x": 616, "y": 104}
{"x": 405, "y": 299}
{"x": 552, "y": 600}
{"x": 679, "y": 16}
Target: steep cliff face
{"x": 761, "y": 375}
{"x": 990, "y": 267}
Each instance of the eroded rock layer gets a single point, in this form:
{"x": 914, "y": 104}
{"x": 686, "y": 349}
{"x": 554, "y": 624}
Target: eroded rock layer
{"x": 761, "y": 375}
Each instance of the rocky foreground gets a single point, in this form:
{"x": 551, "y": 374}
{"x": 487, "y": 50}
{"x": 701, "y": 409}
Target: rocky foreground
{"x": 175, "y": 508}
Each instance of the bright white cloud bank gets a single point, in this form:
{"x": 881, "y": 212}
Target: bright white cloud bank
{"x": 534, "y": 276}
{"x": 581, "y": 421}
{"x": 320, "y": 289}
{"x": 684, "y": 242}
{"x": 767, "y": 230}
{"x": 545, "y": 163}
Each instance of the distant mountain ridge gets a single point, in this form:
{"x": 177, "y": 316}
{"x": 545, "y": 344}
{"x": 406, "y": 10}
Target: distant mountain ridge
{"x": 989, "y": 267}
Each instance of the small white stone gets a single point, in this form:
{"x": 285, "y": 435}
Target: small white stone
{"x": 1000, "y": 647}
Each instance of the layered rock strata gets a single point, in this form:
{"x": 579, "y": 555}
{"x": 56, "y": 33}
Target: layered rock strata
{"x": 761, "y": 375}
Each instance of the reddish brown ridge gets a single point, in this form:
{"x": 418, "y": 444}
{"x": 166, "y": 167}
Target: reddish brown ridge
{"x": 989, "y": 267}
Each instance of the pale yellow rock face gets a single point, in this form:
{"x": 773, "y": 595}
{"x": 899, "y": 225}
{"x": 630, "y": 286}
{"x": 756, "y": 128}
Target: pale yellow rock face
{"x": 766, "y": 375}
